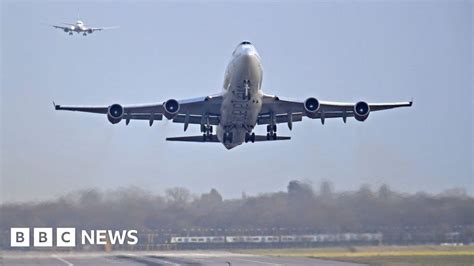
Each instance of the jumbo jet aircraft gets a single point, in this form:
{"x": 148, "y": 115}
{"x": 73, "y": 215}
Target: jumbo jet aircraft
{"x": 80, "y": 27}
{"x": 238, "y": 108}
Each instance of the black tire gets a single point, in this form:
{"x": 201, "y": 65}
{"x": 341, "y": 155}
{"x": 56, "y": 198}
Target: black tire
{"x": 274, "y": 136}
{"x": 268, "y": 136}
{"x": 274, "y": 128}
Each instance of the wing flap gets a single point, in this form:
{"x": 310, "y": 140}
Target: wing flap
{"x": 196, "y": 119}
{"x": 148, "y": 117}
{"x": 279, "y": 118}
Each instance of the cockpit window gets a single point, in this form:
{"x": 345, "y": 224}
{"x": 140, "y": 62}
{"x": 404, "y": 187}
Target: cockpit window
{"x": 245, "y": 42}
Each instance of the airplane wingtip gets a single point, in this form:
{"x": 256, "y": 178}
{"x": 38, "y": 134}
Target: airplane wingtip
{"x": 56, "y": 106}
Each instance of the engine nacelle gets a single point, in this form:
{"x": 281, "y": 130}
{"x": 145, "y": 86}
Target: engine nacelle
{"x": 311, "y": 105}
{"x": 361, "y": 111}
{"x": 171, "y": 108}
{"x": 66, "y": 29}
{"x": 115, "y": 113}
{"x": 90, "y": 31}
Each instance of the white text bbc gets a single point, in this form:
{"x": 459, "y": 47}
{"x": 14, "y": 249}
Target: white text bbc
{"x": 66, "y": 237}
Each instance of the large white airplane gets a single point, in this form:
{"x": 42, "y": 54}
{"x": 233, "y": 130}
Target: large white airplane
{"x": 80, "y": 27}
{"x": 240, "y": 107}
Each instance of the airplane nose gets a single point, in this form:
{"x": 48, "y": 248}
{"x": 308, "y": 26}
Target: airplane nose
{"x": 249, "y": 54}
{"x": 248, "y": 51}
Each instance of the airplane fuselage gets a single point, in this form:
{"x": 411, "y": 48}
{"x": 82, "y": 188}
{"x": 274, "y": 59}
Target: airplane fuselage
{"x": 242, "y": 96}
{"x": 77, "y": 27}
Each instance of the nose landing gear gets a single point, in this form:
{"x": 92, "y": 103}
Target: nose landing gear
{"x": 227, "y": 137}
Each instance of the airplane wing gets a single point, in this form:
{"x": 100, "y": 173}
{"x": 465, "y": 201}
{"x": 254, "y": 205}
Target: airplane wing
{"x": 191, "y": 111}
{"x": 275, "y": 110}
{"x": 102, "y": 28}
{"x": 59, "y": 27}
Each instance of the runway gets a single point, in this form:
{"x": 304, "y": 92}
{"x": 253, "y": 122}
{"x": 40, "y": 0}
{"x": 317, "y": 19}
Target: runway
{"x": 157, "y": 258}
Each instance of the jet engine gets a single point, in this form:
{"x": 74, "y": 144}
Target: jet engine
{"x": 311, "y": 105}
{"x": 171, "y": 108}
{"x": 66, "y": 29}
{"x": 90, "y": 31}
{"x": 361, "y": 111}
{"x": 115, "y": 113}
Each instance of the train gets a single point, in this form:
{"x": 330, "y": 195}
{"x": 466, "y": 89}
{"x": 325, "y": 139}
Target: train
{"x": 316, "y": 238}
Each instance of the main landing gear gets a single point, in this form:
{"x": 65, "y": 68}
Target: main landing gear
{"x": 271, "y": 132}
{"x": 249, "y": 137}
{"x": 206, "y": 132}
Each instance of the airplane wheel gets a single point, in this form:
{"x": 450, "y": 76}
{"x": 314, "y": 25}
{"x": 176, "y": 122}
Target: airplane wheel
{"x": 252, "y": 137}
{"x": 274, "y": 136}
{"x": 268, "y": 136}
{"x": 274, "y": 128}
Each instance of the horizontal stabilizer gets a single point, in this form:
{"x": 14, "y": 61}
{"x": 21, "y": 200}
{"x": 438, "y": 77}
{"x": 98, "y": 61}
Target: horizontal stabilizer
{"x": 213, "y": 138}
{"x": 201, "y": 138}
{"x": 264, "y": 138}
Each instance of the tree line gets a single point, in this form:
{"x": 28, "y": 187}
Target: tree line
{"x": 299, "y": 207}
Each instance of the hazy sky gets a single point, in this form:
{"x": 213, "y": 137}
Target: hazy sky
{"x": 342, "y": 51}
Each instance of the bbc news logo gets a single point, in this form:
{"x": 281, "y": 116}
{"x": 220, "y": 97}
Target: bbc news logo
{"x": 66, "y": 237}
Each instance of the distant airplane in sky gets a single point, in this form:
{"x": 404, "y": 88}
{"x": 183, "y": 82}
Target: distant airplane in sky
{"x": 80, "y": 27}
{"x": 238, "y": 108}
